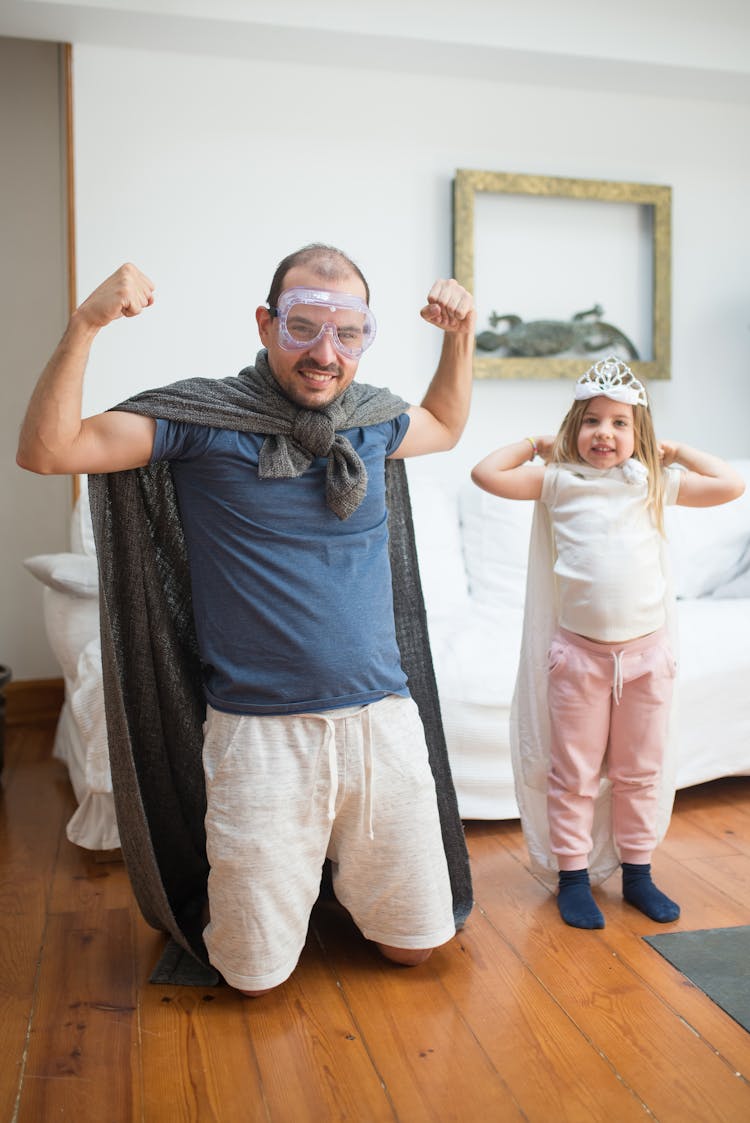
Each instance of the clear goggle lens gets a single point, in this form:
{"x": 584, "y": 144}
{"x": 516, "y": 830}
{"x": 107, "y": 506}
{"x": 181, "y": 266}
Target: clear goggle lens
{"x": 306, "y": 314}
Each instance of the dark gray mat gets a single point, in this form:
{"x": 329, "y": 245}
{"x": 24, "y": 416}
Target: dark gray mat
{"x": 717, "y": 960}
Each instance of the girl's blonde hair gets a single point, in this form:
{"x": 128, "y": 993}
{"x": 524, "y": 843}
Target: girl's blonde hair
{"x": 565, "y": 450}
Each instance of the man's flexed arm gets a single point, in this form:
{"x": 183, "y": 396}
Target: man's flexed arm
{"x": 54, "y": 439}
{"x": 437, "y": 423}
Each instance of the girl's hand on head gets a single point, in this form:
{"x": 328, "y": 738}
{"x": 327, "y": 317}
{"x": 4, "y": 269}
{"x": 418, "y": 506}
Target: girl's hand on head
{"x": 668, "y": 452}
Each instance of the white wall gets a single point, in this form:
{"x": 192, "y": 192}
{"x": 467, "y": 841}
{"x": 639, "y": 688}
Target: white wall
{"x": 206, "y": 171}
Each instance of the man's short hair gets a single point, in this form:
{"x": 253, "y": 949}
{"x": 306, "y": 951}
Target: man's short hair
{"x": 329, "y": 263}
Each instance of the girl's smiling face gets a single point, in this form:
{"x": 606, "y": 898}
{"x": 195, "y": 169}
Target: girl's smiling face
{"x": 606, "y": 438}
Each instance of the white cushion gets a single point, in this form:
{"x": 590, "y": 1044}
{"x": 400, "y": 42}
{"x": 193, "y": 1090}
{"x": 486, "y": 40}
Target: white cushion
{"x": 706, "y": 543}
{"x": 713, "y": 699}
{"x": 438, "y": 540}
{"x": 476, "y": 656}
{"x": 738, "y": 583}
{"x": 478, "y": 739}
{"x": 68, "y": 573}
{"x": 496, "y": 547}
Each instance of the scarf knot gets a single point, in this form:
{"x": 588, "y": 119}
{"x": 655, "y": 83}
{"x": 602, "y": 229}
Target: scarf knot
{"x": 314, "y": 432}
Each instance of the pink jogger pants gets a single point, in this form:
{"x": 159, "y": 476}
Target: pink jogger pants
{"x": 613, "y": 699}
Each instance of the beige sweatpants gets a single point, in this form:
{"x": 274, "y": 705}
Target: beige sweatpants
{"x": 284, "y": 793}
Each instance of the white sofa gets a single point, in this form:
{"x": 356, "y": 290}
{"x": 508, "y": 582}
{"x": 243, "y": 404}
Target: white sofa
{"x": 472, "y": 550}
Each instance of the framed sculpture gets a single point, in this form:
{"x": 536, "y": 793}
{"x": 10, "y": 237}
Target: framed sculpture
{"x": 563, "y": 272}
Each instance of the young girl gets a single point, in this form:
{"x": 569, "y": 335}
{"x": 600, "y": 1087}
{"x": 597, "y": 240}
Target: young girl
{"x": 590, "y": 715}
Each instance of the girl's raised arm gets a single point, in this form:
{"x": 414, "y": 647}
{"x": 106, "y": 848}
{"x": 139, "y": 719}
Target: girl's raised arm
{"x": 506, "y": 471}
{"x": 708, "y": 481}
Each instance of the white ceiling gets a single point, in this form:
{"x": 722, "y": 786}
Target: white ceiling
{"x": 675, "y": 48}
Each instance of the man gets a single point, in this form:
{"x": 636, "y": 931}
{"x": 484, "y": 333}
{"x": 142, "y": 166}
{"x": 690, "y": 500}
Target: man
{"x": 312, "y": 747}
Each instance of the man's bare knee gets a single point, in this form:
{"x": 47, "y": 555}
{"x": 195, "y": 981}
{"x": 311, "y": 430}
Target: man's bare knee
{"x": 407, "y": 957}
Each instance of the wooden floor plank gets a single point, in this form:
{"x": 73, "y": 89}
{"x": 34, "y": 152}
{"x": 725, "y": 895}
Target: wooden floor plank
{"x": 725, "y": 820}
{"x": 686, "y": 838}
{"x": 624, "y": 935}
{"x": 731, "y": 876}
{"x": 628, "y": 1023}
{"x": 313, "y": 1060}
{"x": 196, "y": 1056}
{"x": 84, "y": 883}
{"x": 298, "y": 1048}
{"x": 551, "y": 1069}
{"x": 731, "y": 790}
{"x": 35, "y": 803}
{"x": 190, "y": 1044}
{"x": 79, "y": 1057}
{"x": 704, "y": 905}
{"x": 712, "y": 893}
{"x": 429, "y": 1059}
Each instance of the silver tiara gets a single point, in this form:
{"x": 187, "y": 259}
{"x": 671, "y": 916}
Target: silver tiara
{"x": 614, "y": 379}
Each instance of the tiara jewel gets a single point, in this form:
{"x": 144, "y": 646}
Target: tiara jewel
{"x": 614, "y": 379}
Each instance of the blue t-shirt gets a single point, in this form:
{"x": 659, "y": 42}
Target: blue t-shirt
{"x": 293, "y": 606}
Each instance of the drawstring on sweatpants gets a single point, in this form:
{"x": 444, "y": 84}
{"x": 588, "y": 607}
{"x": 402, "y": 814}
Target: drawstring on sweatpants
{"x": 333, "y": 787}
{"x": 369, "y": 772}
{"x": 333, "y": 768}
{"x": 617, "y": 677}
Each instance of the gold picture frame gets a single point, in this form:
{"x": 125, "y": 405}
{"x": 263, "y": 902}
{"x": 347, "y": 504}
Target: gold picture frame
{"x": 468, "y": 184}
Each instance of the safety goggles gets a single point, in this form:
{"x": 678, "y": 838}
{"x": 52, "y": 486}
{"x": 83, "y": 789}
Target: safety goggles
{"x": 304, "y": 315}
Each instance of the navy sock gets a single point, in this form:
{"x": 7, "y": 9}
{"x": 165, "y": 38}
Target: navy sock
{"x": 639, "y": 890}
{"x": 575, "y": 902}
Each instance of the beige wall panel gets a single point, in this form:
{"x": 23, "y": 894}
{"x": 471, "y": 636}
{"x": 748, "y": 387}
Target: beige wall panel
{"x": 33, "y": 309}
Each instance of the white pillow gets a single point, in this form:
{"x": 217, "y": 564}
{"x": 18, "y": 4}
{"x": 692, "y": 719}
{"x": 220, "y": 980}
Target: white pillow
{"x": 477, "y": 660}
{"x": 495, "y": 535}
{"x": 68, "y": 573}
{"x": 706, "y": 543}
{"x": 737, "y": 584}
{"x": 438, "y": 540}
{"x": 737, "y": 589}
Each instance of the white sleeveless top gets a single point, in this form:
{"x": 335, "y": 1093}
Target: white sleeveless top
{"x": 608, "y": 572}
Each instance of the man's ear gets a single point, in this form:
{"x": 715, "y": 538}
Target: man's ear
{"x": 263, "y": 319}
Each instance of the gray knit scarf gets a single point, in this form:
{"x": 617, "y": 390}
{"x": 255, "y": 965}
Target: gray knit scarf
{"x": 252, "y": 402}
{"x": 153, "y": 682}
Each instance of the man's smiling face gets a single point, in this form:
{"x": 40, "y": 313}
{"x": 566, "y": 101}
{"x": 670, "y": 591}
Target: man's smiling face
{"x": 315, "y": 377}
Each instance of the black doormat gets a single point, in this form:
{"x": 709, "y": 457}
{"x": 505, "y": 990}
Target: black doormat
{"x": 717, "y": 960}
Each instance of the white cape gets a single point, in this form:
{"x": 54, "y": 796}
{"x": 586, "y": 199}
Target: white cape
{"x": 529, "y": 718}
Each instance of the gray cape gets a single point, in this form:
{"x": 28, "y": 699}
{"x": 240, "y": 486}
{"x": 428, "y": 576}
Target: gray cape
{"x": 154, "y": 697}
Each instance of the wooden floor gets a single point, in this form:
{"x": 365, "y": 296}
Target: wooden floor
{"x": 519, "y": 1018}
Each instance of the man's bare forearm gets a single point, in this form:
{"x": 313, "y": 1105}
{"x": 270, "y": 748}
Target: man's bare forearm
{"x": 53, "y": 418}
{"x": 51, "y": 439}
{"x": 448, "y": 396}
